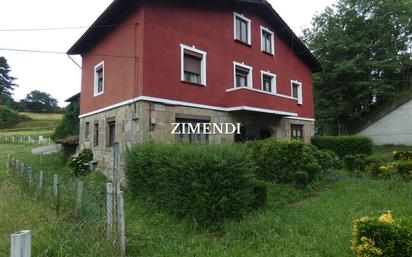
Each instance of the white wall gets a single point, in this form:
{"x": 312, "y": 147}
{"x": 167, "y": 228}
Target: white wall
{"x": 395, "y": 128}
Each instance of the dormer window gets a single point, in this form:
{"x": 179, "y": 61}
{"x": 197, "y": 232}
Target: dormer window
{"x": 267, "y": 41}
{"x": 242, "y": 29}
{"x": 99, "y": 79}
{"x": 193, "y": 65}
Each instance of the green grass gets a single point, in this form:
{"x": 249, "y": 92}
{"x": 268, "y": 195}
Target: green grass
{"x": 40, "y": 124}
{"x": 386, "y": 151}
{"x": 300, "y": 223}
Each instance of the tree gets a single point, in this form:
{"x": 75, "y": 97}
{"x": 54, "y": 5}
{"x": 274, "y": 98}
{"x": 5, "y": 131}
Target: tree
{"x": 364, "y": 47}
{"x": 6, "y": 81}
{"x": 37, "y": 101}
{"x": 70, "y": 124}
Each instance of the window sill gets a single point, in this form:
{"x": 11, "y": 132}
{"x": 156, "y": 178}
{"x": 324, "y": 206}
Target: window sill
{"x": 192, "y": 83}
{"x": 260, "y": 91}
{"x": 243, "y": 43}
{"x": 268, "y": 53}
{"x": 101, "y": 93}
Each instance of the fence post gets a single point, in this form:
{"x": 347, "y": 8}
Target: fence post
{"x": 29, "y": 174}
{"x": 22, "y": 169}
{"x": 79, "y": 199}
{"x": 109, "y": 209}
{"x": 56, "y": 190}
{"x": 121, "y": 224}
{"x": 20, "y": 245}
{"x": 41, "y": 179}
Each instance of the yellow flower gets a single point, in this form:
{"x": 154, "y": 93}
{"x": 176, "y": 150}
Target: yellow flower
{"x": 386, "y": 218}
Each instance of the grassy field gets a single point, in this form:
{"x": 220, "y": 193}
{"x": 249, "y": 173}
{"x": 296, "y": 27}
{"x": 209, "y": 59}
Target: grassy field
{"x": 315, "y": 222}
{"x": 40, "y": 124}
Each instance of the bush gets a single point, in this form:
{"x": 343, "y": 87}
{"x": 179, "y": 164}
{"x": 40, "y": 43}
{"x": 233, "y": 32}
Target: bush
{"x": 404, "y": 169}
{"x": 383, "y": 236}
{"x": 355, "y": 162}
{"x": 10, "y": 118}
{"x": 284, "y": 162}
{"x": 259, "y": 190}
{"x": 80, "y": 164}
{"x": 402, "y": 155}
{"x": 328, "y": 160}
{"x": 344, "y": 145}
{"x": 207, "y": 183}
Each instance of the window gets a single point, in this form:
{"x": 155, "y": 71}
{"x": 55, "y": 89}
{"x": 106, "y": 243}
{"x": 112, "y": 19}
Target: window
{"x": 188, "y": 136}
{"x": 96, "y": 134}
{"x": 268, "y": 82}
{"x": 87, "y": 130}
{"x": 296, "y": 132}
{"x": 111, "y": 132}
{"x": 297, "y": 91}
{"x": 242, "y": 75}
{"x": 99, "y": 79}
{"x": 242, "y": 29}
{"x": 267, "y": 41}
{"x": 193, "y": 65}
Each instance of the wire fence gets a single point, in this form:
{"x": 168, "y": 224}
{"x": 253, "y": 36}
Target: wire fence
{"x": 35, "y": 140}
{"x": 81, "y": 201}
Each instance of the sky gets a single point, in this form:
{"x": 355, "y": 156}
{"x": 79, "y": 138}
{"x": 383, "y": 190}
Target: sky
{"x": 56, "y": 74}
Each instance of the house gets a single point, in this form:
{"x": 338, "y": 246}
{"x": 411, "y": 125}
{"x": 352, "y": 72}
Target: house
{"x": 393, "y": 125}
{"x": 149, "y": 64}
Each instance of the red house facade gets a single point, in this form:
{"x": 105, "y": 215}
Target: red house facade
{"x": 148, "y": 64}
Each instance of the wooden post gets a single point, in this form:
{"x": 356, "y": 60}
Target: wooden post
{"x": 121, "y": 224}
{"x": 79, "y": 198}
{"x": 8, "y": 163}
{"x": 109, "y": 209}
{"x": 41, "y": 179}
{"x": 29, "y": 175}
{"x": 20, "y": 245}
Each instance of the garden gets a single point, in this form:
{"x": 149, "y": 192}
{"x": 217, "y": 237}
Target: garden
{"x": 262, "y": 198}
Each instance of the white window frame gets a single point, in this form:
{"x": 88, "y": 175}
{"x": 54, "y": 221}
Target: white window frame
{"x": 273, "y": 81}
{"x": 98, "y": 66}
{"x": 249, "y": 27}
{"x": 272, "y": 40}
{"x": 300, "y": 91}
{"x": 202, "y": 64}
{"x": 249, "y": 76}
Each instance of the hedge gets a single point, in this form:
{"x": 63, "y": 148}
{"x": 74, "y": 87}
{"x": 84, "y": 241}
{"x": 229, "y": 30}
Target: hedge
{"x": 207, "y": 183}
{"x": 290, "y": 162}
{"x": 344, "y": 145}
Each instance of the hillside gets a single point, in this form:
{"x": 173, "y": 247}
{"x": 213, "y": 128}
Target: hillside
{"x": 40, "y": 123}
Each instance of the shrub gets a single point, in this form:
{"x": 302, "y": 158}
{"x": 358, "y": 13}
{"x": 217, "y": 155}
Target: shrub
{"x": 80, "y": 164}
{"x": 328, "y": 160}
{"x": 207, "y": 183}
{"x": 402, "y": 155}
{"x": 383, "y": 236}
{"x": 10, "y": 118}
{"x": 344, "y": 145}
{"x": 355, "y": 162}
{"x": 259, "y": 190}
{"x": 404, "y": 169}
{"x": 281, "y": 161}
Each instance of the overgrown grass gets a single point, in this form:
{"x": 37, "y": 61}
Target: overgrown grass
{"x": 314, "y": 222}
{"x": 40, "y": 124}
{"x": 44, "y": 116}
{"x": 54, "y": 234}
{"x": 386, "y": 151}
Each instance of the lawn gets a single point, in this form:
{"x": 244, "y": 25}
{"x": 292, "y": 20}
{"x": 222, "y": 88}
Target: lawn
{"x": 305, "y": 223}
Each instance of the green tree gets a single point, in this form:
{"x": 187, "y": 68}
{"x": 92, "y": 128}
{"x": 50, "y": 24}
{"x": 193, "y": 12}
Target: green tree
{"x": 37, "y": 101}
{"x": 7, "y": 84}
{"x": 365, "y": 49}
{"x": 70, "y": 124}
